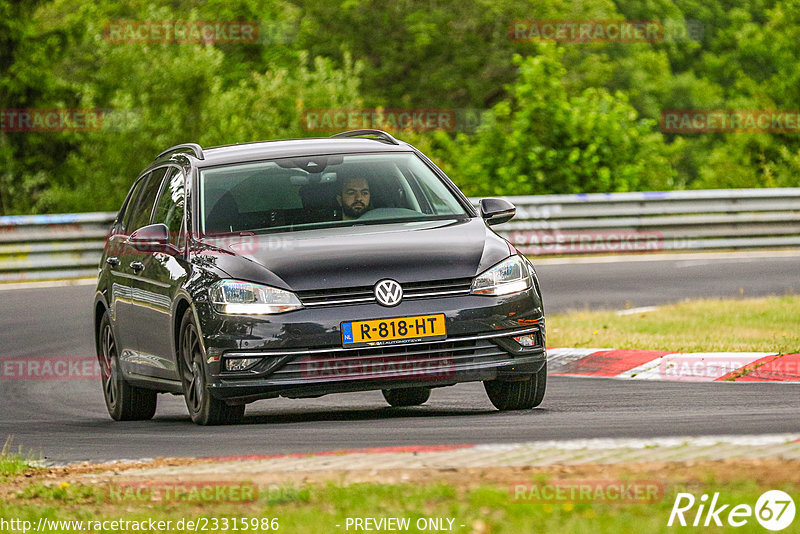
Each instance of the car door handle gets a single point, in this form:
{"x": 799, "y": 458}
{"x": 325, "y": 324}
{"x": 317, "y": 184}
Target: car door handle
{"x": 137, "y": 266}
{"x": 112, "y": 261}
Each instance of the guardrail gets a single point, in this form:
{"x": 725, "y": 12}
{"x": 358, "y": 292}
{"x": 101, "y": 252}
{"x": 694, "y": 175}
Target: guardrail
{"x": 69, "y": 245}
{"x": 656, "y": 221}
{"x": 36, "y": 247}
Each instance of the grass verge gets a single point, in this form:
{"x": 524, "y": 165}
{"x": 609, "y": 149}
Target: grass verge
{"x": 12, "y": 464}
{"x": 471, "y": 505}
{"x": 710, "y": 325}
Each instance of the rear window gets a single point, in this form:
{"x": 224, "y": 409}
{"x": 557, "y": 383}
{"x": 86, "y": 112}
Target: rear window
{"x": 303, "y": 193}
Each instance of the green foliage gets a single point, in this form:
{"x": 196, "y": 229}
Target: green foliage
{"x": 557, "y": 119}
{"x": 159, "y": 95}
{"x": 542, "y": 140}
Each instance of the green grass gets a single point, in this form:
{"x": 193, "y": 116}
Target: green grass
{"x": 12, "y": 464}
{"x": 481, "y": 509}
{"x": 758, "y": 325}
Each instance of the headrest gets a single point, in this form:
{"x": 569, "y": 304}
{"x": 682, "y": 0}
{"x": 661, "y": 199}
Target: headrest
{"x": 320, "y": 196}
{"x": 224, "y": 216}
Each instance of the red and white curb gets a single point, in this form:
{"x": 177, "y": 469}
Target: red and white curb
{"x": 678, "y": 366}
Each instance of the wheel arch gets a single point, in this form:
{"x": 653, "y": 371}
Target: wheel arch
{"x": 182, "y": 304}
{"x": 100, "y": 308}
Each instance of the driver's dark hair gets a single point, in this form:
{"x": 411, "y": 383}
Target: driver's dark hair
{"x": 344, "y": 180}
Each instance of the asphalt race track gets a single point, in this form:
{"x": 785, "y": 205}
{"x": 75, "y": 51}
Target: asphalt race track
{"x": 67, "y": 420}
{"x": 650, "y": 282}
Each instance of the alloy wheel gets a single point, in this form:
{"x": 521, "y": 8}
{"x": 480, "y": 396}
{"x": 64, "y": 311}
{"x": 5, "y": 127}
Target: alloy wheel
{"x": 110, "y": 378}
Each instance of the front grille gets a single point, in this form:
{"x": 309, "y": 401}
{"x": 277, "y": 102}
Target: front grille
{"x": 423, "y": 361}
{"x": 364, "y": 294}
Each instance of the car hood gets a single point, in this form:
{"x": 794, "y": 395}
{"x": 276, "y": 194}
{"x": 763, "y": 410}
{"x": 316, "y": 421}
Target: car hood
{"x": 362, "y": 255}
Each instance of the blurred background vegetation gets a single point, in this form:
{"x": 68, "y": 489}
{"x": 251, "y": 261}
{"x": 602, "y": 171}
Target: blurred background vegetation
{"x": 554, "y": 118}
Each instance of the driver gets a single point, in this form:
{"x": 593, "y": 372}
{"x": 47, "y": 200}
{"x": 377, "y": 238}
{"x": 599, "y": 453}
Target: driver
{"x": 354, "y": 198}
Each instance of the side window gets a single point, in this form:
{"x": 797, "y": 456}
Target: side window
{"x": 147, "y": 198}
{"x": 171, "y": 205}
{"x": 117, "y": 226}
{"x": 130, "y": 206}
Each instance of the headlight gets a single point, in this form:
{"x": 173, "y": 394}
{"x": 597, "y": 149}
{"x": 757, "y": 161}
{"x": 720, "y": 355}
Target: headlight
{"x": 509, "y": 276}
{"x": 244, "y": 298}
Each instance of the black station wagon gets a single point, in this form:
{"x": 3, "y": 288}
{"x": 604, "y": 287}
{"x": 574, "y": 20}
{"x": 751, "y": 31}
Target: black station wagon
{"x": 305, "y": 267}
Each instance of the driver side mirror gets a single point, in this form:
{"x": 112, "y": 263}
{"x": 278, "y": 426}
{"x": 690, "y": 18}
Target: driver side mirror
{"x": 151, "y": 238}
{"x": 496, "y": 210}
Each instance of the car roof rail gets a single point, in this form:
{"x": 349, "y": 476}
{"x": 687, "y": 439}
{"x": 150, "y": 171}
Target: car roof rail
{"x": 379, "y": 134}
{"x": 196, "y": 149}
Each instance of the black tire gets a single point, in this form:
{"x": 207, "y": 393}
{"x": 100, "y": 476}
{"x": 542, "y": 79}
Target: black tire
{"x": 518, "y": 395}
{"x": 203, "y": 408}
{"x": 406, "y": 396}
{"x": 123, "y": 401}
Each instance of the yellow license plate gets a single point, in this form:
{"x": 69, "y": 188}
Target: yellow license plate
{"x": 394, "y": 330}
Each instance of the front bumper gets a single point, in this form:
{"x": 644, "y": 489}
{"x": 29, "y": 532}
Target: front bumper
{"x": 302, "y": 355}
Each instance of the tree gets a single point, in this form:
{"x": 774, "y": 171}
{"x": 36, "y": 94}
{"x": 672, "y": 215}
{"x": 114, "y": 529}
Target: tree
{"x": 543, "y": 141}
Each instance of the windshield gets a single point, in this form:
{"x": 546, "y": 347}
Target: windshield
{"x": 308, "y": 192}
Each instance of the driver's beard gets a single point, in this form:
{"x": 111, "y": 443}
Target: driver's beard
{"x": 354, "y": 214}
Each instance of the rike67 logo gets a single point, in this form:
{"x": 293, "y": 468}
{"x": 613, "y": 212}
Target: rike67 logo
{"x": 774, "y": 510}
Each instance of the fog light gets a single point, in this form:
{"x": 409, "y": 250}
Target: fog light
{"x": 526, "y": 341}
{"x": 240, "y": 364}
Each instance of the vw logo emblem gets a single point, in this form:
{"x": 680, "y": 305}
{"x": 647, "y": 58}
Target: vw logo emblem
{"x": 388, "y": 292}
